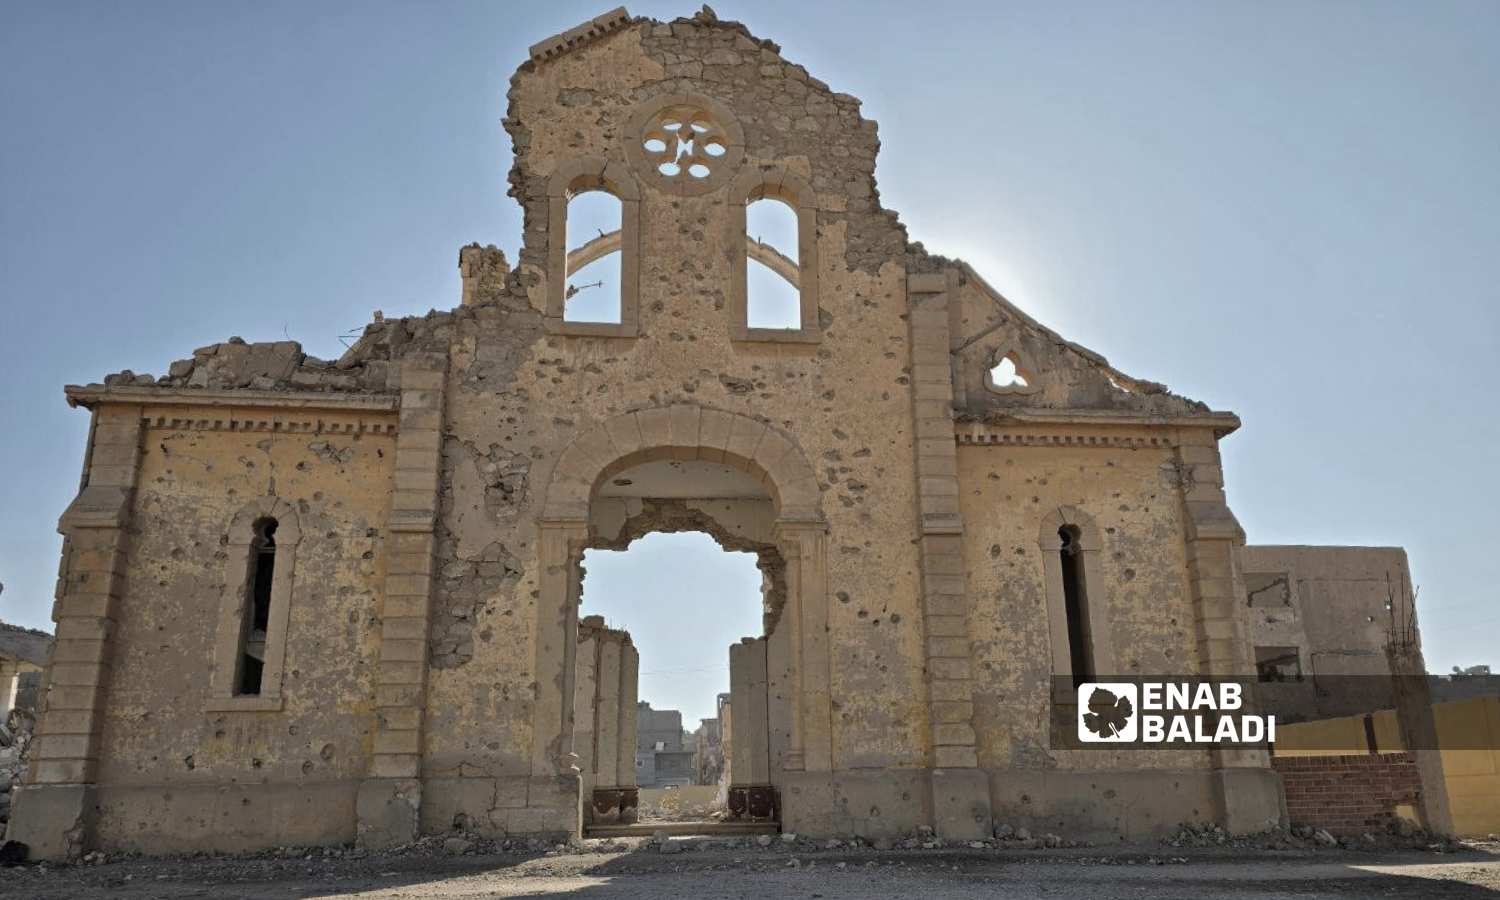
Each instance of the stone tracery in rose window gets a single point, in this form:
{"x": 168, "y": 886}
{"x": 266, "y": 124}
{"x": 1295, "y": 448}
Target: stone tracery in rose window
{"x": 684, "y": 142}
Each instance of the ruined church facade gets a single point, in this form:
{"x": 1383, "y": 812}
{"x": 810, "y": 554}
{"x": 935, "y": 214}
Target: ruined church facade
{"x": 313, "y": 602}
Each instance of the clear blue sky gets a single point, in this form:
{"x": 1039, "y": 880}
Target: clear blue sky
{"x": 1289, "y": 210}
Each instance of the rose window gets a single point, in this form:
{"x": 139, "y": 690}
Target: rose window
{"x": 684, "y": 143}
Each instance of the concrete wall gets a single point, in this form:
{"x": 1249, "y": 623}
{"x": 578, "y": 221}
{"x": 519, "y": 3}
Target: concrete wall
{"x": 653, "y": 726}
{"x": 672, "y": 768}
{"x": 1330, "y": 604}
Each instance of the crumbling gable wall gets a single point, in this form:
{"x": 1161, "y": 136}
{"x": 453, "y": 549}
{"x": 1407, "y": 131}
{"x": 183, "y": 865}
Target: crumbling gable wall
{"x": 519, "y": 393}
{"x": 1060, "y": 374}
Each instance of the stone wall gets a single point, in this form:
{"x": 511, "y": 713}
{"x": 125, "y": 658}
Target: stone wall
{"x": 169, "y": 754}
{"x": 605, "y": 720}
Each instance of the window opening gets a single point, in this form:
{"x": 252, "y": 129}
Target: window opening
{"x": 258, "y": 608}
{"x": 593, "y": 258}
{"x": 771, "y": 299}
{"x": 1075, "y": 598}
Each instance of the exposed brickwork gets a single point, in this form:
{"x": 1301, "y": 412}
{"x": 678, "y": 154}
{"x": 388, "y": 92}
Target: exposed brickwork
{"x": 1348, "y": 794}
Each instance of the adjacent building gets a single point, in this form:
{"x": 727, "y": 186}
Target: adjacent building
{"x": 662, "y": 755}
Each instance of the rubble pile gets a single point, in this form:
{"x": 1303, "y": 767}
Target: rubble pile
{"x": 1398, "y": 834}
{"x": 15, "y": 739}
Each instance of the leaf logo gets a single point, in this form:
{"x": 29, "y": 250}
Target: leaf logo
{"x": 1107, "y": 712}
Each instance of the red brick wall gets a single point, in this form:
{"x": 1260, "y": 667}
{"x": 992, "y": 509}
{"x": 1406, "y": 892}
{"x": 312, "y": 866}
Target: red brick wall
{"x": 1347, "y": 794}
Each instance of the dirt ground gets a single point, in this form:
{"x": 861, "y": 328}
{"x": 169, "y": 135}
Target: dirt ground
{"x": 698, "y": 868}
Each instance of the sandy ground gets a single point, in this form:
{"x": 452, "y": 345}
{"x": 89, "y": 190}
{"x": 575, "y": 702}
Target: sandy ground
{"x": 643, "y": 871}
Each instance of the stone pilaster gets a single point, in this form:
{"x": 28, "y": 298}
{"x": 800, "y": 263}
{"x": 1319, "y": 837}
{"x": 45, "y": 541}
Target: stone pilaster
{"x": 390, "y": 798}
{"x": 51, "y": 811}
{"x": 607, "y": 709}
{"x": 739, "y": 699}
{"x": 961, "y": 807}
{"x": 804, "y": 549}
{"x": 1249, "y": 791}
{"x": 552, "y": 793}
{"x": 585, "y": 700}
{"x": 779, "y": 700}
{"x": 630, "y": 674}
{"x": 751, "y": 794}
{"x": 605, "y": 750}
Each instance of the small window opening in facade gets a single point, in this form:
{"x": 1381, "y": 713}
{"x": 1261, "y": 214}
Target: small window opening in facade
{"x": 593, "y": 258}
{"x": 1277, "y": 664}
{"x": 1005, "y": 374}
{"x": 773, "y": 297}
{"x": 257, "y": 608}
{"x": 1268, "y": 590}
{"x": 1075, "y": 599}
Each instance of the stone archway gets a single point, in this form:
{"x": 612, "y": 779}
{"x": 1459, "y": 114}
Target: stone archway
{"x": 681, "y": 432}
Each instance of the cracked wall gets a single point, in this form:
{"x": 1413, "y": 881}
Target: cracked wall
{"x": 1134, "y": 499}
{"x": 165, "y": 753}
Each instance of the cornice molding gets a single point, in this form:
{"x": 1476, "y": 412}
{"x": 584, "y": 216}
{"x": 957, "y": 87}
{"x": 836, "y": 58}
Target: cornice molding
{"x": 91, "y": 395}
{"x": 1222, "y": 423}
{"x": 1087, "y": 428}
{"x": 1013, "y": 439}
{"x": 276, "y": 412}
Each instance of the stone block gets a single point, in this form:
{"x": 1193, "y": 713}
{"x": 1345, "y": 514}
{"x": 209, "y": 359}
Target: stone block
{"x": 388, "y": 812}
{"x": 961, "y": 804}
{"x": 1251, "y": 800}
{"x": 52, "y": 820}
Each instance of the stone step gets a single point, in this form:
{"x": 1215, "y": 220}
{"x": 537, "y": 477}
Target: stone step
{"x": 682, "y": 829}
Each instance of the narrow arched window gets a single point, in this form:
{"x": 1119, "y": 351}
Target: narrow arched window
{"x": 593, "y": 249}
{"x": 260, "y": 577}
{"x": 1076, "y": 604}
{"x": 773, "y": 246}
{"x": 772, "y": 296}
{"x": 594, "y": 238}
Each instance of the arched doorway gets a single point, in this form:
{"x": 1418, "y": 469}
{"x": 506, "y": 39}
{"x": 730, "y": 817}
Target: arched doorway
{"x": 687, "y": 468}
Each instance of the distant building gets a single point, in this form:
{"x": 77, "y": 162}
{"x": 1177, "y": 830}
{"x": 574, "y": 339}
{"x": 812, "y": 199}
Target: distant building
{"x": 1320, "y": 620}
{"x": 662, "y": 757}
{"x": 1463, "y": 684}
{"x": 657, "y": 730}
{"x": 708, "y": 761}
{"x": 23, "y": 655}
